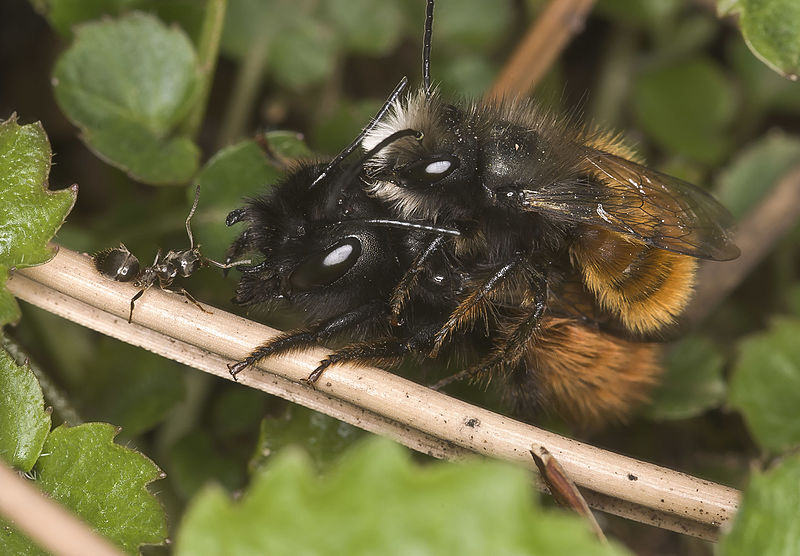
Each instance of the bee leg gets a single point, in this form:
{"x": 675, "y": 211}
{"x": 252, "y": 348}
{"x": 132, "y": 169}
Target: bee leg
{"x": 318, "y": 333}
{"x": 382, "y": 352}
{"x": 409, "y": 280}
{"x": 475, "y": 305}
{"x": 507, "y": 353}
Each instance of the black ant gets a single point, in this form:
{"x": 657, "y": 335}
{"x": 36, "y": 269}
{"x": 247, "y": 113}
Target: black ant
{"x": 119, "y": 264}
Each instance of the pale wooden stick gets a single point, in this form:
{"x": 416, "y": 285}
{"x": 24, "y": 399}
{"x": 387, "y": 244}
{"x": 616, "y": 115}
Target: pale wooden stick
{"x": 46, "y": 522}
{"x": 559, "y": 21}
{"x": 675, "y": 500}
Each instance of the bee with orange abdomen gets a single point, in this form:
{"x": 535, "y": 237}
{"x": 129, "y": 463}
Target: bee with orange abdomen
{"x": 577, "y": 255}
{"x": 534, "y": 251}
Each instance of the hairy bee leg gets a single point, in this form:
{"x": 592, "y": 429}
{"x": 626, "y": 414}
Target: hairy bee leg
{"x": 303, "y": 338}
{"x": 409, "y": 280}
{"x": 507, "y": 353}
{"x": 474, "y": 306}
{"x": 385, "y": 351}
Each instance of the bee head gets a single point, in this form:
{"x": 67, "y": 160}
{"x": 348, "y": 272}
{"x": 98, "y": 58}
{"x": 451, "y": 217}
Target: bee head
{"x": 420, "y": 177}
{"x": 316, "y": 253}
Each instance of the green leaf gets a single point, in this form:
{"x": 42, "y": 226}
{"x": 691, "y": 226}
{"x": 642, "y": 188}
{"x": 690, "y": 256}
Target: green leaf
{"x": 755, "y": 171}
{"x": 325, "y": 438}
{"x": 237, "y": 412}
{"x": 343, "y": 124}
{"x": 30, "y": 214}
{"x": 25, "y": 422}
{"x": 366, "y": 26}
{"x": 691, "y": 121}
{"x": 128, "y": 84}
{"x": 769, "y": 28}
{"x": 287, "y": 146}
{"x": 766, "y": 522}
{"x": 234, "y": 173}
{"x": 102, "y": 483}
{"x": 304, "y": 54}
{"x": 765, "y": 385}
{"x": 376, "y": 501}
{"x": 471, "y": 23}
{"x": 302, "y": 45}
{"x": 765, "y": 89}
{"x": 693, "y": 381}
{"x": 64, "y": 14}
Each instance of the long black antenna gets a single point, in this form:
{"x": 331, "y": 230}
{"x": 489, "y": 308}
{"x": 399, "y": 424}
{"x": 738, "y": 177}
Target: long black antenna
{"x": 385, "y": 142}
{"x": 426, "y": 49}
{"x": 357, "y": 141}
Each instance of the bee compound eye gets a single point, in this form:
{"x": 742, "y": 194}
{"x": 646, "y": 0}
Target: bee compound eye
{"x": 325, "y": 267}
{"x": 428, "y": 171}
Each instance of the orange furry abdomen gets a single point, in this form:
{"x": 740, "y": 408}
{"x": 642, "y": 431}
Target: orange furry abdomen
{"x": 644, "y": 287}
{"x": 590, "y": 376}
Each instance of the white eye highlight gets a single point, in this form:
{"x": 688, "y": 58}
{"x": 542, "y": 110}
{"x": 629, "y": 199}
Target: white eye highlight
{"x": 338, "y": 255}
{"x": 438, "y": 167}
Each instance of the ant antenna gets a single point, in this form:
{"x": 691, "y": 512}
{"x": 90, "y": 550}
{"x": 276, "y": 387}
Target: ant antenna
{"x": 426, "y": 49}
{"x": 189, "y": 218}
{"x": 372, "y": 123}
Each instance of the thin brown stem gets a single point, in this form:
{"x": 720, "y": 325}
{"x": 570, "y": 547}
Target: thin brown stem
{"x": 556, "y": 25}
{"x": 776, "y": 215}
{"x": 46, "y": 522}
{"x": 207, "y": 53}
{"x": 370, "y": 398}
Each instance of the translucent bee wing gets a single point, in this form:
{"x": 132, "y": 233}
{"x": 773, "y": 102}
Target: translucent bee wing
{"x": 626, "y": 197}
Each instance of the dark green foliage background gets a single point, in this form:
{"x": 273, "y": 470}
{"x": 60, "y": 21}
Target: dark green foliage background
{"x": 680, "y": 84}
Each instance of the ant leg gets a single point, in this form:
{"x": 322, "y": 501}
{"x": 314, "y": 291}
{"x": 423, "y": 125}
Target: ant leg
{"x": 133, "y": 302}
{"x": 189, "y": 296}
{"x": 402, "y": 292}
{"x": 304, "y": 338}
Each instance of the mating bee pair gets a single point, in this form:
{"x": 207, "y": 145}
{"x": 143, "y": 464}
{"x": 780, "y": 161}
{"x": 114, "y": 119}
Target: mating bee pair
{"x": 495, "y": 236}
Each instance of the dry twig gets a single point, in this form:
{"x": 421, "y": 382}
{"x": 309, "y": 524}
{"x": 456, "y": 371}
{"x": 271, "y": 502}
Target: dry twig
{"x": 376, "y": 400}
{"x": 559, "y": 21}
{"x": 756, "y": 236}
{"x": 45, "y": 521}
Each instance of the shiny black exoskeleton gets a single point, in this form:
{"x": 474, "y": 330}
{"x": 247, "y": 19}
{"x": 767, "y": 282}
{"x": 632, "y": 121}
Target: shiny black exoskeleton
{"x": 119, "y": 264}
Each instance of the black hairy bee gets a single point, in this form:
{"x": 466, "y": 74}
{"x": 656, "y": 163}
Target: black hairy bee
{"x": 539, "y": 250}
{"x": 328, "y": 250}
{"x": 119, "y": 264}
{"x": 593, "y": 251}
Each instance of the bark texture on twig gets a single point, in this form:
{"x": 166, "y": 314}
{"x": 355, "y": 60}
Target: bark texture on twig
{"x": 373, "y": 399}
